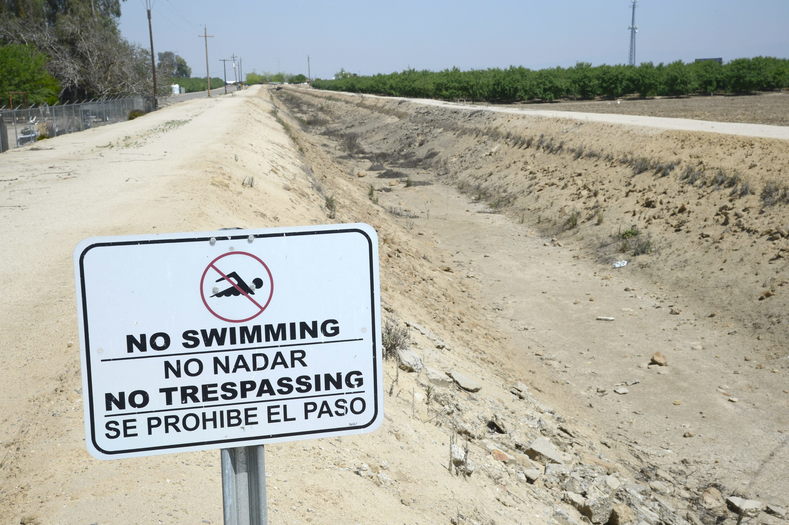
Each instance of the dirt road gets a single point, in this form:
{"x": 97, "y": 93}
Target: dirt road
{"x": 741, "y": 129}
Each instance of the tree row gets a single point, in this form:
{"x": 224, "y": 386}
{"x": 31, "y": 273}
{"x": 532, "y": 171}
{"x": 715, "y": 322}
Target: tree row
{"x": 581, "y": 82}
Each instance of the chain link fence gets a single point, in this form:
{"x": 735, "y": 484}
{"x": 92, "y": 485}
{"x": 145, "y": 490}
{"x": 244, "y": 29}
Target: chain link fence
{"x": 21, "y": 126}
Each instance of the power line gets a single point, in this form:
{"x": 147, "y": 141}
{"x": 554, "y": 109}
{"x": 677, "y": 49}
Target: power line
{"x": 178, "y": 15}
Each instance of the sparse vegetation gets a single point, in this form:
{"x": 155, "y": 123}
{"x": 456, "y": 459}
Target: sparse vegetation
{"x": 774, "y": 193}
{"x": 640, "y": 165}
{"x": 395, "y": 339}
{"x": 664, "y": 169}
{"x": 630, "y": 233}
{"x": 641, "y": 246}
{"x": 572, "y": 220}
{"x": 331, "y": 206}
{"x": 350, "y": 143}
{"x": 691, "y": 175}
{"x": 400, "y": 212}
{"x": 632, "y": 241}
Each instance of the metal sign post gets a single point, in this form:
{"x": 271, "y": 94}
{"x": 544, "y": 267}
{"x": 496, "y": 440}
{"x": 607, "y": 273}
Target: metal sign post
{"x": 244, "y": 485}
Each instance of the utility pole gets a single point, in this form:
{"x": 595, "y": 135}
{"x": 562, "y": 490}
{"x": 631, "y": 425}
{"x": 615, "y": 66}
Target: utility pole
{"x": 633, "y": 30}
{"x": 235, "y": 68}
{"x": 240, "y": 70}
{"x": 309, "y": 76}
{"x": 153, "y": 59}
{"x": 205, "y": 36}
{"x": 224, "y": 70}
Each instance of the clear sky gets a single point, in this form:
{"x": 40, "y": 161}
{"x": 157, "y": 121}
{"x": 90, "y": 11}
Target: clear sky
{"x": 373, "y": 36}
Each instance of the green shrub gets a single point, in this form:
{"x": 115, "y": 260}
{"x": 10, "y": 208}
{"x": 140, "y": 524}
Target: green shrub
{"x": 579, "y": 82}
{"x": 23, "y": 70}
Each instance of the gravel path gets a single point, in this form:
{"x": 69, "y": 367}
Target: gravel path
{"x": 678, "y": 124}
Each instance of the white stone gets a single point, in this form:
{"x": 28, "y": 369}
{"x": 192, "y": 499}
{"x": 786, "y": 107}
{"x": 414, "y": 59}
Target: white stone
{"x": 465, "y": 382}
{"x": 437, "y": 378}
{"x": 409, "y": 361}
{"x": 746, "y": 507}
{"x": 543, "y": 448}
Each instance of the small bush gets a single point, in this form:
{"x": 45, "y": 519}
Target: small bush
{"x": 395, "y": 339}
{"x": 133, "y": 114}
{"x": 740, "y": 191}
{"x": 774, "y": 193}
{"x": 400, "y": 212}
{"x": 630, "y": 233}
{"x": 640, "y": 165}
{"x": 350, "y": 143}
{"x": 572, "y": 221}
{"x": 633, "y": 242}
{"x": 641, "y": 246}
{"x": 331, "y": 206}
{"x": 691, "y": 175}
{"x": 665, "y": 169}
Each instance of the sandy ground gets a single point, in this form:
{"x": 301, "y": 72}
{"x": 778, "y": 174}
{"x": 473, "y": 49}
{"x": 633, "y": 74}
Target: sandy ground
{"x": 484, "y": 294}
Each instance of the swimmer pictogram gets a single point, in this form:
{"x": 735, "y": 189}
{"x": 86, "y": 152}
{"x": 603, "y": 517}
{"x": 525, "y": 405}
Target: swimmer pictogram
{"x": 228, "y": 295}
{"x": 237, "y": 286}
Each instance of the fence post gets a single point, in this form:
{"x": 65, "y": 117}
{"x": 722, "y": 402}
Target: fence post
{"x": 13, "y": 121}
{"x": 3, "y": 134}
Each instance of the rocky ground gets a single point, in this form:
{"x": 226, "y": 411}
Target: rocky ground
{"x": 583, "y": 189}
{"x": 534, "y": 383}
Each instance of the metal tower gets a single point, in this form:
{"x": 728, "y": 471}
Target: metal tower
{"x": 633, "y": 31}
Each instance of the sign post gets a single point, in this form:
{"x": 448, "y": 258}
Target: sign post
{"x": 229, "y": 340}
{"x": 244, "y": 485}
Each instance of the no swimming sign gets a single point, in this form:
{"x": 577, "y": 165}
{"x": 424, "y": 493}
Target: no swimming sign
{"x": 231, "y": 338}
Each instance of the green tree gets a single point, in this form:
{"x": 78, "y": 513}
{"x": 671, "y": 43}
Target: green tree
{"x": 23, "y": 70}
{"x": 646, "y": 80}
{"x": 255, "y": 78}
{"x": 677, "y": 79}
{"x": 87, "y": 54}
{"x": 615, "y": 81}
{"x": 585, "y": 83}
{"x": 342, "y": 74}
{"x": 172, "y": 66}
{"x": 708, "y": 75}
{"x": 192, "y": 85}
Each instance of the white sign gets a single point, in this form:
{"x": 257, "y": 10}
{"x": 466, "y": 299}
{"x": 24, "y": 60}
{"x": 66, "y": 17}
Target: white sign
{"x": 225, "y": 339}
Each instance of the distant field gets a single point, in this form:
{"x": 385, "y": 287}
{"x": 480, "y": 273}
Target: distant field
{"x": 770, "y": 108}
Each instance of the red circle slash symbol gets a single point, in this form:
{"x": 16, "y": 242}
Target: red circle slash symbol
{"x": 236, "y": 287}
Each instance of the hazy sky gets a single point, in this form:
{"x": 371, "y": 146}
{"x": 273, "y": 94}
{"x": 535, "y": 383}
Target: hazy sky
{"x": 372, "y": 36}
